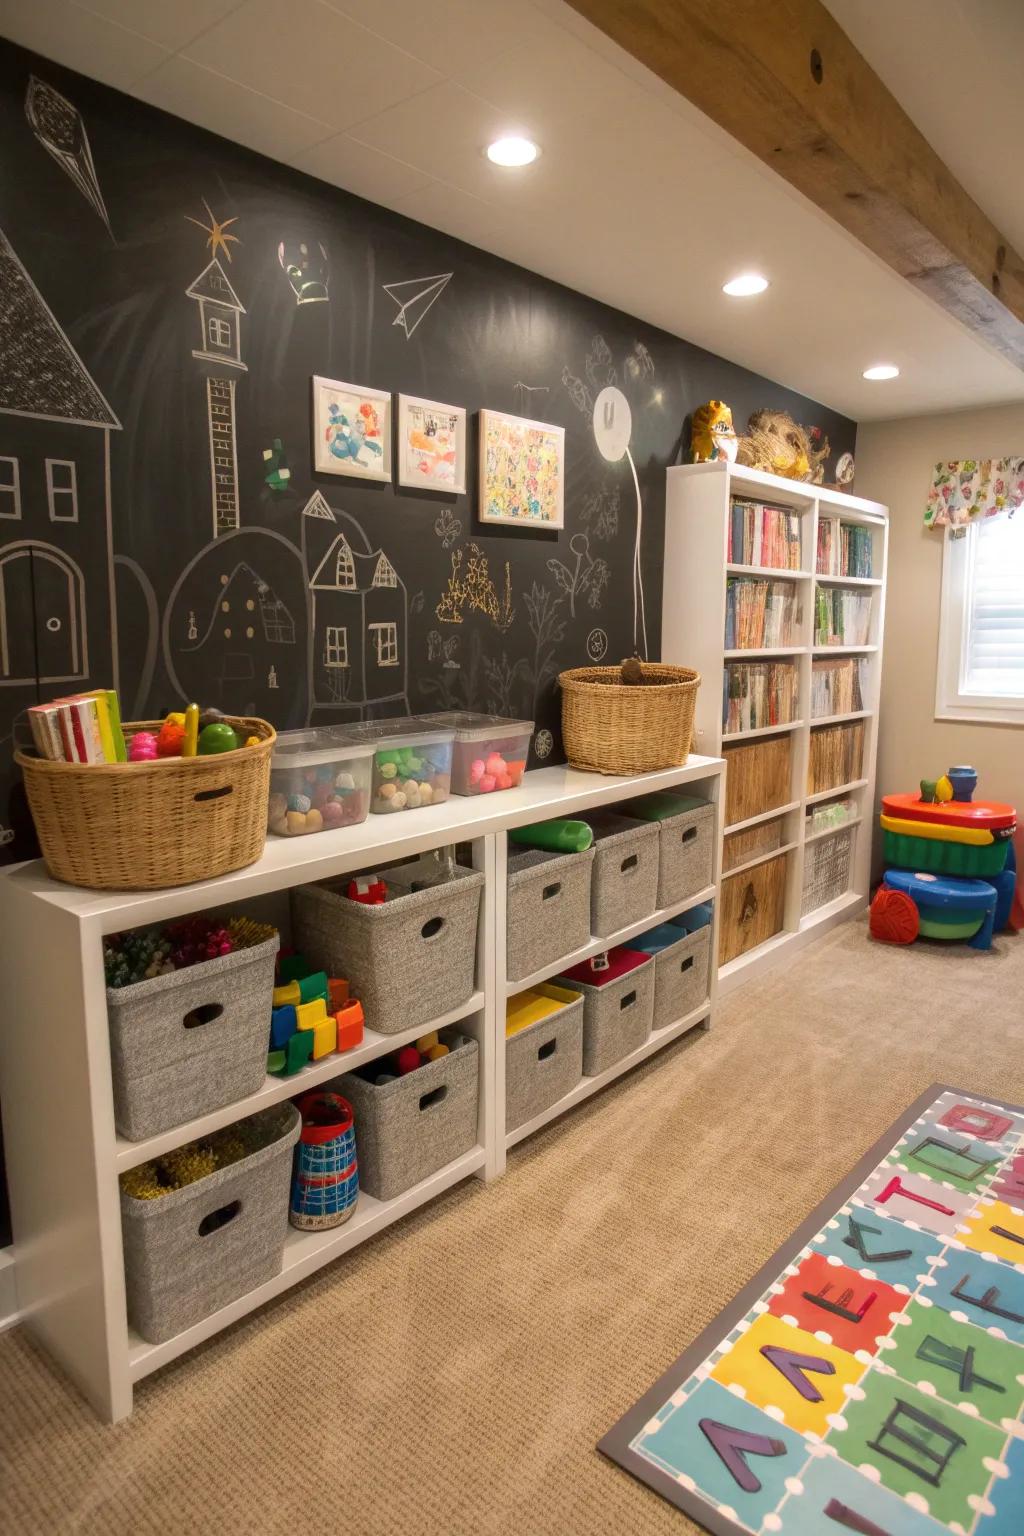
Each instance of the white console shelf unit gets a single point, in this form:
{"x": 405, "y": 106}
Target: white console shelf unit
{"x": 63, "y": 1152}
{"x": 697, "y": 568}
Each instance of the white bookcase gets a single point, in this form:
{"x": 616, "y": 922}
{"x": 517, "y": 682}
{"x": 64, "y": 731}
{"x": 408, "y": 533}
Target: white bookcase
{"x": 696, "y": 571}
{"x": 63, "y": 1152}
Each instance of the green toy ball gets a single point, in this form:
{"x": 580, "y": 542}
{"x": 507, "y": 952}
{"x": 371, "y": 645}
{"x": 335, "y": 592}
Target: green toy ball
{"x": 218, "y": 736}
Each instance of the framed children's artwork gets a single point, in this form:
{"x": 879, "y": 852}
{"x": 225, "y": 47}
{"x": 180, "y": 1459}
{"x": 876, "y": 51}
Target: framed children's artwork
{"x": 431, "y": 445}
{"x": 351, "y": 430}
{"x": 522, "y": 471}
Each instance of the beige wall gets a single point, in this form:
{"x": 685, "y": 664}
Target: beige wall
{"x": 895, "y": 460}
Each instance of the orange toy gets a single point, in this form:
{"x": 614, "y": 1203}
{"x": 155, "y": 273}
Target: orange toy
{"x": 337, "y": 992}
{"x": 170, "y": 738}
{"x": 894, "y": 918}
{"x": 350, "y": 1025}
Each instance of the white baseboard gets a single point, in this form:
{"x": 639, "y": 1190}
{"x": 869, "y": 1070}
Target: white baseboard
{"x": 9, "y": 1314}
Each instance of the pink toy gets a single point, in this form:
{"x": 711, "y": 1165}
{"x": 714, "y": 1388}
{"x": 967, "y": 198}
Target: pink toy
{"x": 142, "y": 747}
{"x": 476, "y": 770}
{"x": 487, "y": 783}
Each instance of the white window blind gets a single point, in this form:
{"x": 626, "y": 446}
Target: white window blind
{"x": 993, "y": 652}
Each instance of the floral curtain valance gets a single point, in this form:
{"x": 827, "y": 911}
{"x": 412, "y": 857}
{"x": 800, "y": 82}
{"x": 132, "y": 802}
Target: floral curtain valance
{"x": 968, "y": 489}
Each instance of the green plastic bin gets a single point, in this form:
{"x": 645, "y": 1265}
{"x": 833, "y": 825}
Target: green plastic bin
{"x": 902, "y": 851}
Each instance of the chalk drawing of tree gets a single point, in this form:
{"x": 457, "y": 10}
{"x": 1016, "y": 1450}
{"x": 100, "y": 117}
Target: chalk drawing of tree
{"x": 587, "y": 577}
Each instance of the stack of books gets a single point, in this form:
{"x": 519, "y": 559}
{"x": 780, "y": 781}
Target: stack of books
{"x": 844, "y": 549}
{"x": 761, "y": 535}
{"x": 757, "y": 694}
{"x": 836, "y": 755}
{"x": 759, "y": 614}
{"x": 83, "y": 728}
{"x": 842, "y": 616}
{"x": 837, "y": 687}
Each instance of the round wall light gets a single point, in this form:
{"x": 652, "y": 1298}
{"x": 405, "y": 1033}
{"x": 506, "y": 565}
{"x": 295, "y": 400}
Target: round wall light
{"x": 744, "y": 286}
{"x": 512, "y": 151}
{"x": 882, "y": 371}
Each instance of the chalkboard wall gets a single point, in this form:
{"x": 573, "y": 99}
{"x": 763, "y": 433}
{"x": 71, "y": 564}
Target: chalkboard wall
{"x": 120, "y": 540}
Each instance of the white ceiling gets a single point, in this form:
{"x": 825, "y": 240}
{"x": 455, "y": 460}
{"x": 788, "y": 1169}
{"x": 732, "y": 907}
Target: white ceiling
{"x": 637, "y": 199}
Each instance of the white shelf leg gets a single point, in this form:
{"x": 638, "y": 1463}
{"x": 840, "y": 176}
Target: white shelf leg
{"x": 492, "y": 1055}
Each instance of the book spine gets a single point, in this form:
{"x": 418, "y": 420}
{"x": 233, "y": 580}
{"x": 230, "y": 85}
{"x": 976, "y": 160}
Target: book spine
{"x": 45, "y": 724}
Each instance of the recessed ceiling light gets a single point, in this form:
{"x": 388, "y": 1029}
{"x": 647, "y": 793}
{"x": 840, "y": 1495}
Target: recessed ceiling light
{"x": 745, "y": 285}
{"x": 882, "y": 371}
{"x": 512, "y": 151}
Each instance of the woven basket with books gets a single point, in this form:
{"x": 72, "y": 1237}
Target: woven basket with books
{"x": 612, "y": 726}
{"x": 148, "y": 825}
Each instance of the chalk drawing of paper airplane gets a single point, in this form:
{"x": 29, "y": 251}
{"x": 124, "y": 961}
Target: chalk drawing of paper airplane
{"x": 57, "y": 124}
{"x": 414, "y": 297}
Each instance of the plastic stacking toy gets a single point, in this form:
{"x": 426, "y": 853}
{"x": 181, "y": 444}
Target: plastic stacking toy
{"x": 951, "y": 871}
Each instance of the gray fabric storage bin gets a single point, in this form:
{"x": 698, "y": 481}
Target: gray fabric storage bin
{"x": 686, "y": 853}
{"x": 408, "y": 961}
{"x": 543, "y": 1062}
{"x": 617, "y": 1017}
{"x": 192, "y": 1251}
{"x": 188, "y": 1042}
{"x": 547, "y": 908}
{"x": 409, "y": 1128}
{"x": 681, "y": 976}
{"x": 624, "y": 887}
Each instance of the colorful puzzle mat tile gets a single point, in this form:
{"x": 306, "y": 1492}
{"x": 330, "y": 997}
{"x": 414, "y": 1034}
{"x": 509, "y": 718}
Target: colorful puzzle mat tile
{"x": 870, "y": 1378}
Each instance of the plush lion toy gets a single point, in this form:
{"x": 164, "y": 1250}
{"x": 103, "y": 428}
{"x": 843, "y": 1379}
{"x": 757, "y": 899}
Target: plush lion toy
{"x": 713, "y": 435}
{"x": 776, "y": 443}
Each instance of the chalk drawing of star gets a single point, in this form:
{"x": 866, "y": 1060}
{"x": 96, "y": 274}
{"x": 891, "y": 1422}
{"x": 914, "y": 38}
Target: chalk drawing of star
{"x": 216, "y": 231}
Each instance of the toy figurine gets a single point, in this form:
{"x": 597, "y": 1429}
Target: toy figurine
{"x": 712, "y": 435}
{"x": 142, "y": 748}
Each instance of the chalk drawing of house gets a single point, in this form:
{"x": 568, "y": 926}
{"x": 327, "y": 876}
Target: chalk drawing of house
{"x": 220, "y": 310}
{"x": 55, "y": 503}
{"x": 359, "y": 624}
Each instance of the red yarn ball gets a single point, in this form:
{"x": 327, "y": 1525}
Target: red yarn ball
{"x": 409, "y": 1059}
{"x": 894, "y": 917}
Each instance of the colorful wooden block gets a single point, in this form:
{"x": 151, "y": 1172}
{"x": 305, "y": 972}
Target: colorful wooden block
{"x": 283, "y": 1025}
{"x": 314, "y": 985}
{"x": 311, "y": 1013}
{"x": 337, "y": 993}
{"x": 350, "y": 1025}
{"x": 276, "y": 1061}
{"x": 292, "y": 968}
{"x": 289, "y": 993}
{"x": 298, "y": 1051}
{"x": 325, "y": 1037}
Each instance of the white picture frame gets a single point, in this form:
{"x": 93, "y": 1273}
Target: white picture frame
{"x": 351, "y": 428}
{"x": 512, "y": 493}
{"x": 418, "y": 467}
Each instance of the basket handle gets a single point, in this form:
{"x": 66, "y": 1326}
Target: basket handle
{"x": 686, "y": 964}
{"x": 629, "y": 863}
{"x": 219, "y": 1218}
{"x": 548, "y": 1049}
{"x": 434, "y": 1097}
{"x": 204, "y": 1014}
{"x": 214, "y": 794}
{"x": 551, "y": 890}
{"x": 689, "y": 834}
{"x": 432, "y": 927}
{"x": 627, "y": 1001}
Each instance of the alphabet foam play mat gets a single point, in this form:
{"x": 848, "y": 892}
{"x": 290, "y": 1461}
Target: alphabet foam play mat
{"x": 870, "y": 1378}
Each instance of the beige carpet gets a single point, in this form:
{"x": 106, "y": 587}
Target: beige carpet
{"x": 453, "y": 1375}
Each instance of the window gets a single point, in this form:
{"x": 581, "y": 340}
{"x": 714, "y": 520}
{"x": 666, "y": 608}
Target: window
{"x": 344, "y": 567}
{"x": 62, "y": 490}
{"x": 219, "y": 332}
{"x": 386, "y": 639}
{"x": 384, "y": 575}
{"x": 335, "y": 646}
{"x": 981, "y": 633}
{"x": 10, "y": 487}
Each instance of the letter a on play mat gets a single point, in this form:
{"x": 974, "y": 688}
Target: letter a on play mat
{"x": 734, "y": 1445}
{"x": 792, "y": 1366}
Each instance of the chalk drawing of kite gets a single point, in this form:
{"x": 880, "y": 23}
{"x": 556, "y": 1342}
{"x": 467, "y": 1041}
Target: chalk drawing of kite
{"x": 414, "y": 297}
{"x": 57, "y": 124}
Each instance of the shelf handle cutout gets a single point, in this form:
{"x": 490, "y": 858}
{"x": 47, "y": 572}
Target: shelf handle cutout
{"x": 434, "y": 1097}
{"x": 204, "y": 1014}
{"x": 686, "y": 965}
{"x": 219, "y": 1218}
{"x": 552, "y": 890}
{"x": 630, "y": 863}
{"x": 432, "y": 927}
{"x": 689, "y": 834}
{"x": 548, "y": 1050}
{"x": 627, "y": 1001}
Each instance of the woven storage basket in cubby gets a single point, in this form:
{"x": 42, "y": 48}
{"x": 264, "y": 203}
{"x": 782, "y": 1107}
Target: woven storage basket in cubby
{"x": 147, "y": 826}
{"x": 613, "y": 727}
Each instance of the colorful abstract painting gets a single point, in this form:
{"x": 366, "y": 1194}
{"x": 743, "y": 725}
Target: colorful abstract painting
{"x": 351, "y": 430}
{"x": 522, "y": 471}
{"x": 431, "y": 445}
{"x": 870, "y": 1379}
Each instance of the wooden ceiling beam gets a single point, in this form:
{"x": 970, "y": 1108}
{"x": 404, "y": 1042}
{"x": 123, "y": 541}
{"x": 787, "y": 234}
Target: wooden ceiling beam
{"x": 785, "y": 80}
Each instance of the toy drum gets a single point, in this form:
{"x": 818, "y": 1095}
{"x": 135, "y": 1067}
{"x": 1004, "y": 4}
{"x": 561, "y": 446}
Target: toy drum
{"x": 325, "y": 1178}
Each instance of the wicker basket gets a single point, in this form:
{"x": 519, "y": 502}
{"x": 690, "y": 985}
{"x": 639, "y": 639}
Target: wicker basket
{"x": 146, "y": 826}
{"x": 613, "y": 727}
